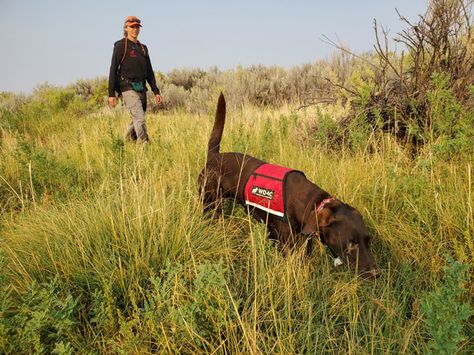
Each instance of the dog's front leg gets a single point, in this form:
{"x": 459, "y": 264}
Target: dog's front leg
{"x": 283, "y": 235}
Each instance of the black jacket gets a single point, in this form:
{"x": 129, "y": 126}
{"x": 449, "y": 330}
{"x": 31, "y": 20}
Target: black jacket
{"x": 136, "y": 66}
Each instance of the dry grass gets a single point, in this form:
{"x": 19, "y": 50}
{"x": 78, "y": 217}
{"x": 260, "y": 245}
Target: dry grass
{"x": 121, "y": 229}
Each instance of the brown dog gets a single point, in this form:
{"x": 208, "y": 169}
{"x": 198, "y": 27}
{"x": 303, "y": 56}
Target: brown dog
{"x": 310, "y": 211}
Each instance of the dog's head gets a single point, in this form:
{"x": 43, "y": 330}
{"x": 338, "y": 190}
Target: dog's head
{"x": 343, "y": 230}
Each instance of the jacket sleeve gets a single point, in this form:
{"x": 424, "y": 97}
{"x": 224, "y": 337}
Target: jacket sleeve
{"x": 115, "y": 62}
{"x": 150, "y": 75}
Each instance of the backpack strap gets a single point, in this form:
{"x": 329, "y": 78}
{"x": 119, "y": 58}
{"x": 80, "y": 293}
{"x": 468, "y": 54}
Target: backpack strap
{"x": 143, "y": 49}
{"x": 124, "y": 52}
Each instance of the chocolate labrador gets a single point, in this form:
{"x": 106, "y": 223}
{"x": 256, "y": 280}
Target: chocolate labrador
{"x": 309, "y": 211}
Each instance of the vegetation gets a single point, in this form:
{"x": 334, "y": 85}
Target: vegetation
{"x": 104, "y": 247}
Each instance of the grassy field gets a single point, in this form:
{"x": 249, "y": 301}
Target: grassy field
{"x": 105, "y": 247}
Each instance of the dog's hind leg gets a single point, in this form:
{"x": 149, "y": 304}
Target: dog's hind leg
{"x": 209, "y": 191}
{"x": 309, "y": 246}
{"x": 212, "y": 203}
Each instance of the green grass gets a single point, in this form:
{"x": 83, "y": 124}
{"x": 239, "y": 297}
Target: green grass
{"x": 106, "y": 249}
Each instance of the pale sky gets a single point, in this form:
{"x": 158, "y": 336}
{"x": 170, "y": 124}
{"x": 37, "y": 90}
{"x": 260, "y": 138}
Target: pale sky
{"x": 61, "y": 41}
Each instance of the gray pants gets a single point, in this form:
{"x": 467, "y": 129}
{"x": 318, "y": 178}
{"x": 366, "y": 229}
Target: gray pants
{"x": 136, "y": 104}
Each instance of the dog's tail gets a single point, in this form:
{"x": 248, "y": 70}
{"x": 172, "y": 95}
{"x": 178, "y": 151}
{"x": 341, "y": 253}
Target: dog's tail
{"x": 214, "y": 144}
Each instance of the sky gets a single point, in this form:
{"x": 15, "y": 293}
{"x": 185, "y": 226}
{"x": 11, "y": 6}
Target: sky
{"x": 62, "y": 41}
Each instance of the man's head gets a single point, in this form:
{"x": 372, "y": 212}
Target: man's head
{"x": 131, "y": 27}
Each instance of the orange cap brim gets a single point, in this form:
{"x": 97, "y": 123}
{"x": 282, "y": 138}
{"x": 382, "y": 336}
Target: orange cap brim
{"x": 133, "y": 24}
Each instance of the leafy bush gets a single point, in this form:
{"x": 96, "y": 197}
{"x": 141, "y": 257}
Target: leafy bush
{"x": 420, "y": 95}
{"x": 44, "y": 323}
{"x": 174, "y": 97}
{"x": 444, "y": 310}
{"x": 94, "y": 91}
{"x": 450, "y": 128}
{"x": 185, "y": 78}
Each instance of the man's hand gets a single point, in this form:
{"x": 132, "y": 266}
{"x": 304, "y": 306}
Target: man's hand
{"x": 112, "y": 101}
{"x": 158, "y": 99}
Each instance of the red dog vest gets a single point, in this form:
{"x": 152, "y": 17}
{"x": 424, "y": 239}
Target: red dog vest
{"x": 265, "y": 189}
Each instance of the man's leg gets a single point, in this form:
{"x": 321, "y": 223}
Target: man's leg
{"x": 134, "y": 103}
{"x": 131, "y": 135}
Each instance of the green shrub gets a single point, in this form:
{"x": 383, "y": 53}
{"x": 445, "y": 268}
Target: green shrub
{"x": 93, "y": 91}
{"x": 449, "y": 129}
{"x": 444, "y": 310}
{"x": 185, "y": 78}
{"x": 44, "y": 322}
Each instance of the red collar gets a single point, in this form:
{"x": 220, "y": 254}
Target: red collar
{"x": 324, "y": 203}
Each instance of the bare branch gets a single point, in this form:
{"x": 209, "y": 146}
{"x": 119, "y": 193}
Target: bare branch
{"x": 327, "y": 40}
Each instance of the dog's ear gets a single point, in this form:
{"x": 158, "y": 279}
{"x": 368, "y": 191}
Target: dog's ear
{"x": 314, "y": 223}
{"x": 311, "y": 225}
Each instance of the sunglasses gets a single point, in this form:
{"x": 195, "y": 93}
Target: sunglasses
{"x": 134, "y": 26}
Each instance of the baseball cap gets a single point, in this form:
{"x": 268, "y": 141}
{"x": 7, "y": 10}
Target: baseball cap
{"x": 132, "y": 20}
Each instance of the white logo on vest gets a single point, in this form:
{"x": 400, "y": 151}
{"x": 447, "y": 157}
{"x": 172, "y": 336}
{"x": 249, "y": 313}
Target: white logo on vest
{"x": 262, "y": 192}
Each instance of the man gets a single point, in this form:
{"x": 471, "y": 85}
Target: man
{"x": 130, "y": 69}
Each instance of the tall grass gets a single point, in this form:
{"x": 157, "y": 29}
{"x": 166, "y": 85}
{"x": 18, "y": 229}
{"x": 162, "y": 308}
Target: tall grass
{"x": 106, "y": 248}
